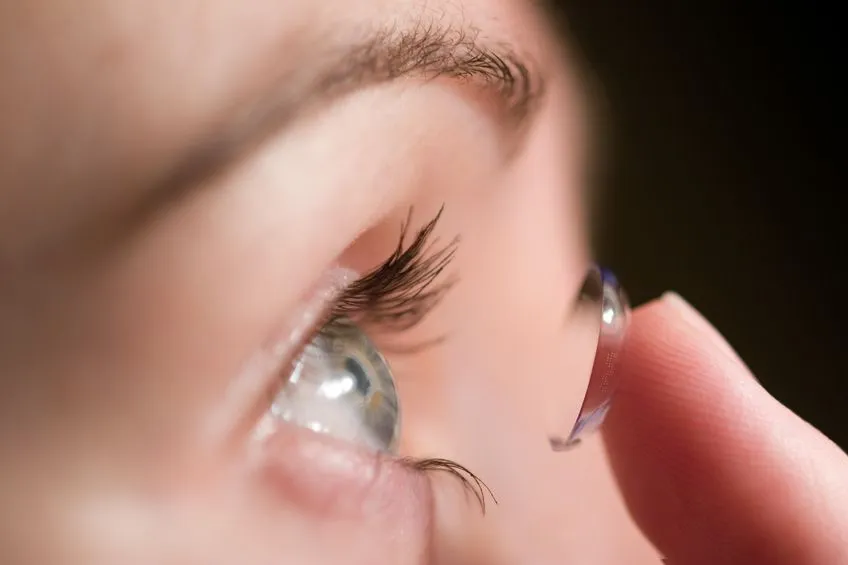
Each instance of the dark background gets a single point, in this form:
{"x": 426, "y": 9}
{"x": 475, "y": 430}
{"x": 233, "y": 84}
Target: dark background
{"x": 723, "y": 134}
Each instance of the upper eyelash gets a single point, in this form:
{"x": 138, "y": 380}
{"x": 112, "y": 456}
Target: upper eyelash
{"x": 399, "y": 293}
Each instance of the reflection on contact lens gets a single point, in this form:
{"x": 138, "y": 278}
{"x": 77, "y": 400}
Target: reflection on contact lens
{"x": 602, "y": 291}
{"x": 342, "y": 386}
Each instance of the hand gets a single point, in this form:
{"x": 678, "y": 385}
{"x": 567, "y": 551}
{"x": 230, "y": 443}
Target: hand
{"x": 713, "y": 468}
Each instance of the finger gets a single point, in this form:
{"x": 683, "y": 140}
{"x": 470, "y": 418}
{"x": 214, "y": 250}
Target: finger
{"x": 714, "y": 469}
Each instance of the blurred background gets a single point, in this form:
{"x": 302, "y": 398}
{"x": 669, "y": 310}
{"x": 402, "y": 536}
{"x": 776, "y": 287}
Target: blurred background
{"x": 722, "y": 135}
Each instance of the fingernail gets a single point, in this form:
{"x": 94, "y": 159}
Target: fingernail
{"x": 697, "y": 321}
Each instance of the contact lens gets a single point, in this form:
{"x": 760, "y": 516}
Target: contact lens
{"x": 609, "y": 315}
{"x": 341, "y": 386}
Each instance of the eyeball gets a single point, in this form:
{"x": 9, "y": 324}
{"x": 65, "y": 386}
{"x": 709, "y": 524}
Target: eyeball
{"x": 342, "y": 386}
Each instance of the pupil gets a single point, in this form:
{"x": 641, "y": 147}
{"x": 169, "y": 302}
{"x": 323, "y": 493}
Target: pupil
{"x": 353, "y": 368}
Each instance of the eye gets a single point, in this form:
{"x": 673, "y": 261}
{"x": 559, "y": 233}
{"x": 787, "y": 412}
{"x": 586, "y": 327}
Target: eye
{"x": 341, "y": 385}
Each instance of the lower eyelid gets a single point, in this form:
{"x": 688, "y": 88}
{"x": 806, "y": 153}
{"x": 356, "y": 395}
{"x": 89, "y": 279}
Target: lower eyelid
{"x": 330, "y": 479}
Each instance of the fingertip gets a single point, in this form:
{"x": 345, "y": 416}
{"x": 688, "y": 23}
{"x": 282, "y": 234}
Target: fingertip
{"x": 700, "y": 449}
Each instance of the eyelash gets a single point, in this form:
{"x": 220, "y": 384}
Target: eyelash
{"x": 397, "y": 296}
{"x": 470, "y": 482}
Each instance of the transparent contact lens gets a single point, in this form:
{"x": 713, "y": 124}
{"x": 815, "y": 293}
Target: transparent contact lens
{"x": 608, "y": 315}
{"x": 342, "y": 386}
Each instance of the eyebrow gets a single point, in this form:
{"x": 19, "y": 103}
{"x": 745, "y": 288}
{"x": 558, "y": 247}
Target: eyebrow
{"x": 426, "y": 52}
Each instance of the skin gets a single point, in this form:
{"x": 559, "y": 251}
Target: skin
{"x": 128, "y": 355}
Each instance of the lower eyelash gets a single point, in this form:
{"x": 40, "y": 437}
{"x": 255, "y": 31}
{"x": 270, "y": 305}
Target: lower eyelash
{"x": 471, "y": 482}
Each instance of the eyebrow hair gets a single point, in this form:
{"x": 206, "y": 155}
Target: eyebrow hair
{"x": 424, "y": 51}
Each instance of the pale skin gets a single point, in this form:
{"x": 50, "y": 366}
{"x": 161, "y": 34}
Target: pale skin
{"x": 127, "y": 328}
